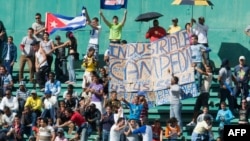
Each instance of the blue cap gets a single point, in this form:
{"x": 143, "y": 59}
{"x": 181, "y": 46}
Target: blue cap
{"x": 141, "y": 93}
{"x": 48, "y": 92}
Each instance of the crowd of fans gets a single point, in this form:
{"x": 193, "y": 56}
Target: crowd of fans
{"x": 96, "y": 109}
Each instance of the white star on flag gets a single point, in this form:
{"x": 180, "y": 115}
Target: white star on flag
{"x": 53, "y": 24}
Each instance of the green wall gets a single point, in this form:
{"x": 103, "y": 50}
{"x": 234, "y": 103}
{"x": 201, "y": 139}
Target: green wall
{"x": 227, "y": 21}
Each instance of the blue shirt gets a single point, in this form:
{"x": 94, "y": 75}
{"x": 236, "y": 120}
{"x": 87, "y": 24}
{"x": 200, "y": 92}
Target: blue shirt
{"x": 135, "y": 111}
{"x": 196, "y": 51}
{"x": 224, "y": 117}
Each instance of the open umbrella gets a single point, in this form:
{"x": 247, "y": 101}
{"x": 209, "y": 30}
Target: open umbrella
{"x": 192, "y": 3}
{"x": 145, "y": 17}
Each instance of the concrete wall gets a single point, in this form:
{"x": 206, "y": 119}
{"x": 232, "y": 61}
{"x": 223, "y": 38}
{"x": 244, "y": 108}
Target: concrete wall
{"x": 226, "y": 20}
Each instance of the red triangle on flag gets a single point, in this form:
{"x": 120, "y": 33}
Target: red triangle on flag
{"x": 53, "y": 22}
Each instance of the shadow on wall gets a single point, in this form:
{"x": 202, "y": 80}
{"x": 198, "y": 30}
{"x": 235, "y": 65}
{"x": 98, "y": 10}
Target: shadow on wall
{"x": 232, "y": 51}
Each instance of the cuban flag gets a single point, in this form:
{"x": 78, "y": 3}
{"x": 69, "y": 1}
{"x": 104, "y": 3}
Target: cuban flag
{"x": 113, "y": 4}
{"x": 56, "y": 22}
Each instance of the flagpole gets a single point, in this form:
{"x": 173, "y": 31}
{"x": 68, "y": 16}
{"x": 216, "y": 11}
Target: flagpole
{"x": 46, "y": 21}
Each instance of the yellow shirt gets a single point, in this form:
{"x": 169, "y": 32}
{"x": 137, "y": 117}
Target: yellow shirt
{"x": 172, "y": 29}
{"x": 34, "y": 104}
{"x": 201, "y": 127}
{"x": 90, "y": 65}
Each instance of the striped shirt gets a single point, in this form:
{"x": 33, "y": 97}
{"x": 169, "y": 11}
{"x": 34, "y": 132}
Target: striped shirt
{"x": 22, "y": 94}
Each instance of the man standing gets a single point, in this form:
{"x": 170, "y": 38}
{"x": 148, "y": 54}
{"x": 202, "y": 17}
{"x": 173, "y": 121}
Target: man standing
{"x": 9, "y": 54}
{"x": 156, "y": 32}
{"x": 3, "y": 36}
{"x": 38, "y": 27}
{"x": 94, "y": 35}
{"x": 174, "y": 27}
{"x": 27, "y": 55}
{"x": 242, "y": 74}
{"x": 115, "y": 28}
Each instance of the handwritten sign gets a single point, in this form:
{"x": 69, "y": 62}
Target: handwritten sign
{"x": 149, "y": 66}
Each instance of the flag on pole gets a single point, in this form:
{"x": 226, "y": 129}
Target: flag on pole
{"x": 113, "y": 4}
{"x": 56, "y": 22}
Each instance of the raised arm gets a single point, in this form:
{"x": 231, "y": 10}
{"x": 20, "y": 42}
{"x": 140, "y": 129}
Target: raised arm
{"x": 104, "y": 19}
{"x": 124, "y": 18}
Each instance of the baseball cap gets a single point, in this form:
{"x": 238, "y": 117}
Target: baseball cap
{"x": 242, "y": 58}
{"x": 141, "y": 93}
{"x": 33, "y": 92}
{"x": 48, "y": 92}
{"x": 175, "y": 19}
{"x": 35, "y": 42}
{"x": 21, "y": 83}
{"x": 60, "y": 130}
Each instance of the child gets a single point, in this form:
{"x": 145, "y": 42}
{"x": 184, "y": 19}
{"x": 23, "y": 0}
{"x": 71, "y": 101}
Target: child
{"x": 157, "y": 131}
{"x": 172, "y": 131}
{"x": 60, "y": 135}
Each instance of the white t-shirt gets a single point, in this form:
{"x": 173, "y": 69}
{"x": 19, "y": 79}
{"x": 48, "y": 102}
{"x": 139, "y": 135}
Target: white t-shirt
{"x": 40, "y": 59}
{"x": 12, "y": 103}
{"x": 45, "y": 133}
{"x": 36, "y": 26}
{"x": 50, "y": 102}
{"x": 8, "y": 119}
{"x": 115, "y": 135}
{"x": 207, "y": 81}
{"x": 197, "y": 52}
{"x": 201, "y": 32}
{"x": 47, "y": 46}
{"x": 94, "y": 35}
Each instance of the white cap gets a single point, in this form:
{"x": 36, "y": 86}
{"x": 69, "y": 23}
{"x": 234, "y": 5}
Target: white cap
{"x": 242, "y": 58}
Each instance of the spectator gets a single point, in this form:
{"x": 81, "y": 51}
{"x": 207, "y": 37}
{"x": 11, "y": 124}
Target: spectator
{"x": 60, "y": 61}
{"x": 26, "y": 121}
{"x": 156, "y": 32}
{"x": 15, "y": 133}
{"x": 60, "y": 135}
{"x": 38, "y": 27}
{"x": 134, "y": 108}
{"x": 132, "y": 125}
{"x": 224, "y": 117}
{"x": 27, "y": 55}
{"x": 174, "y": 27}
{"x": 9, "y": 55}
{"x": 70, "y": 89}
{"x": 6, "y": 81}
{"x": 143, "y": 101}
{"x": 197, "y": 51}
{"x": 244, "y": 112}
{"x": 35, "y": 104}
{"x": 225, "y": 79}
{"x": 241, "y": 73}
{"x": 145, "y": 130}
{"x": 49, "y": 106}
{"x": 96, "y": 90}
{"x": 157, "y": 131}
{"x": 202, "y": 99}
{"x": 7, "y": 119}
{"x": 201, "y": 30}
{"x": 115, "y": 28}
{"x": 113, "y": 102}
{"x": 93, "y": 117}
{"x": 94, "y": 34}
{"x": 107, "y": 121}
{"x": 53, "y": 85}
{"x": 105, "y": 80}
{"x": 41, "y": 65}
{"x": 90, "y": 64}
{"x": 172, "y": 131}
{"x": 80, "y": 122}
{"x": 47, "y": 45}
{"x": 3, "y": 37}
{"x": 61, "y": 117}
{"x": 175, "y": 102}
{"x": 72, "y": 56}
{"x": 22, "y": 94}
{"x": 117, "y": 129}
{"x": 9, "y": 101}
{"x": 189, "y": 31}
{"x": 200, "y": 130}
{"x": 71, "y": 102}
{"x": 46, "y": 132}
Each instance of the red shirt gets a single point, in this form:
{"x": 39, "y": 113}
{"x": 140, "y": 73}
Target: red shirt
{"x": 78, "y": 119}
{"x": 155, "y": 33}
